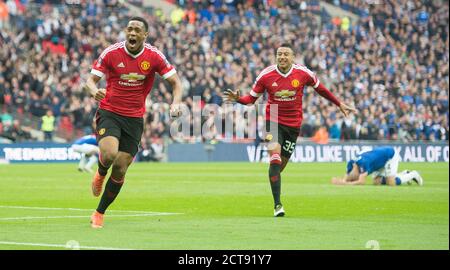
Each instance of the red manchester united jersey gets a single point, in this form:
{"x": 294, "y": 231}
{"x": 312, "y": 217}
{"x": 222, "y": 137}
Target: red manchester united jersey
{"x": 285, "y": 90}
{"x": 129, "y": 77}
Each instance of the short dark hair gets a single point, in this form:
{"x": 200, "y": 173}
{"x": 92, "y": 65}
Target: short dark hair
{"x": 140, "y": 19}
{"x": 286, "y": 45}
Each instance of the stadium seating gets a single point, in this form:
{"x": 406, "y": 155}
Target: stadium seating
{"x": 395, "y": 71}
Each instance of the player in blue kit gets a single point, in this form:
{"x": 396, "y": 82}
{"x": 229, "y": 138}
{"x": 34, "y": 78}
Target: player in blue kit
{"x": 382, "y": 164}
{"x": 88, "y": 148}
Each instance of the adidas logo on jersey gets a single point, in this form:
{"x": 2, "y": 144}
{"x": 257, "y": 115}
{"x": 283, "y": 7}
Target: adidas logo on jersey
{"x": 121, "y": 65}
{"x": 274, "y": 84}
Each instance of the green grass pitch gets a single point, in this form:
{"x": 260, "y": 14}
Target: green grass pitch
{"x": 183, "y": 206}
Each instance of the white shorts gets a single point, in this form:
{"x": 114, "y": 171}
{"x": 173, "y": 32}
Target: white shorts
{"x": 390, "y": 168}
{"x": 85, "y": 148}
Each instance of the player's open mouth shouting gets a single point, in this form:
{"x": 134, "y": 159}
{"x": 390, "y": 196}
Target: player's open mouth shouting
{"x": 132, "y": 42}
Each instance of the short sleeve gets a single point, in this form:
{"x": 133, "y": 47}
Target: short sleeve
{"x": 312, "y": 77}
{"x": 258, "y": 86}
{"x": 100, "y": 66}
{"x": 163, "y": 67}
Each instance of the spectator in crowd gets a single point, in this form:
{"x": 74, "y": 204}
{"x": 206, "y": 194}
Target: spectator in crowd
{"x": 48, "y": 125}
{"x": 321, "y": 136}
{"x": 15, "y": 132}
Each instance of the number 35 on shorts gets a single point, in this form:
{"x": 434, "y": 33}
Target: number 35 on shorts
{"x": 289, "y": 146}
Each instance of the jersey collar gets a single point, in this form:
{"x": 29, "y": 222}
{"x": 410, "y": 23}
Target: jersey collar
{"x": 287, "y": 73}
{"x": 134, "y": 55}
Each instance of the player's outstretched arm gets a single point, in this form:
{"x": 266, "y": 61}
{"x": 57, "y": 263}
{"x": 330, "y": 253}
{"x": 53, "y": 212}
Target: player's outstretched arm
{"x": 361, "y": 179}
{"x": 231, "y": 96}
{"x": 324, "y": 92}
{"x": 346, "y": 110}
{"x": 341, "y": 181}
{"x": 91, "y": 87}
{"x": 177, "y": 91}
{"x": 337, "y": 181}
{"x": 346, "y": 181}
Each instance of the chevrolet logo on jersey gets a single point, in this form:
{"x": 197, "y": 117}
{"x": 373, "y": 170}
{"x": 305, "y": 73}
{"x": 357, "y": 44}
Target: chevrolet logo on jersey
{"x": 284, "y": 94}
{"x": 132, "y": 77}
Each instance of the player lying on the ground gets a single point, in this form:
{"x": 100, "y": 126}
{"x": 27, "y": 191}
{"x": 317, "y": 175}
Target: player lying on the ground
{"x": 382, "y": 164}
{"x": 88, "y": 148}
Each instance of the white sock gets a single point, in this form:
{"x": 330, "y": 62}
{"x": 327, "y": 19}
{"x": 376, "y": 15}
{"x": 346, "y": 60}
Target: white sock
{"x": 82, "y": 161}
{"x": 92, "y": 161}
{"x": 405, "y": 177}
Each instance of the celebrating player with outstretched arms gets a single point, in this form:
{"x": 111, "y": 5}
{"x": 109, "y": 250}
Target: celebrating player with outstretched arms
{"x": 284, "y": 83}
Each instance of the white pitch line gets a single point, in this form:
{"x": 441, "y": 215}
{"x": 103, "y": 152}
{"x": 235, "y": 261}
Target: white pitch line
{"x": 58, "y": 245}
{"x": 80, "y": 209}
{"x": 109, "y": 216}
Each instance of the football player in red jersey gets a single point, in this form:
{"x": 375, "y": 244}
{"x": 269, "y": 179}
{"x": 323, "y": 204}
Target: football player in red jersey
{"x": 284, "y": 83}
{"x": 130, "y": 67}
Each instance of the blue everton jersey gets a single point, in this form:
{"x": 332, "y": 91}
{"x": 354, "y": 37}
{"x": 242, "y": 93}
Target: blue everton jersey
{"x": 88, "y": 139}
{"x": 374, "y": 160}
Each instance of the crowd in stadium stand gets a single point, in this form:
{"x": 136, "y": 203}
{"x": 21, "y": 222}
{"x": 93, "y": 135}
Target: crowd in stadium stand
{"x": 391, "y": 64}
